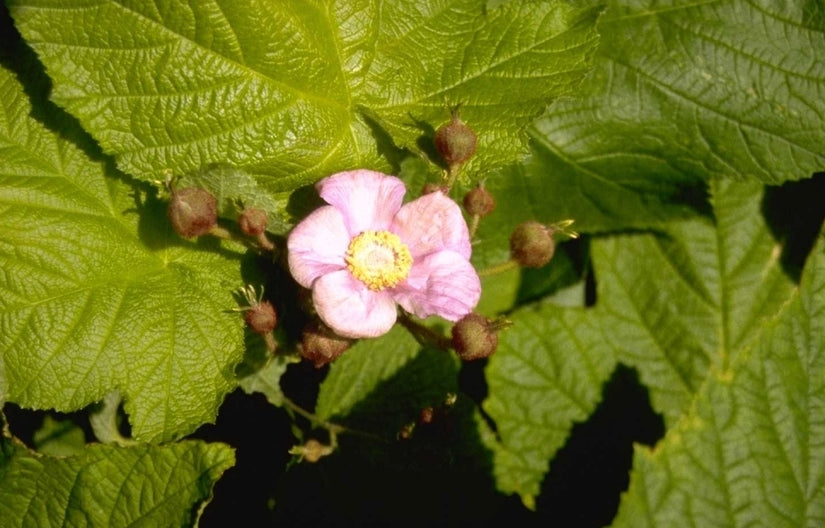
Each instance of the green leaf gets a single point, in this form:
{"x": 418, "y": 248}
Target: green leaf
{"x": 381, "y": 384}
{"x": 97, "y": 292}
{"x": 266, "y": 379}
{"x": 236, "y": 190}
{"x": 687, "y": 91}
{"x": 553, "y": 185}
{"x": 59, "y": 438}
{"x": 750, "y": 452}
{"x": 109, "y": 486}
{"x": 680, "y": 303}
{"x": 546, "y": 374}
{"x": 291, "y": 91}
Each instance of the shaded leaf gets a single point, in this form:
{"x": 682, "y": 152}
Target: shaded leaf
{"x": 59, "y": 438}
{"x": 680, "y": 303}
{"x": 266, "y": 379}
{"x": 683, "y": 92}
{"x": 750, "y": 451}
{"x": 381, "y": 384}
{"x": 546, "y": 375}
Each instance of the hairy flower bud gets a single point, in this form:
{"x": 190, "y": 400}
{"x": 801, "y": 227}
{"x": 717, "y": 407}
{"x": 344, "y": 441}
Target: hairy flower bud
{"x": 193, "y": 212}
{"x": 479, "y": 202}
{"x": 321, "y": 345}
{"x": 252, "y": 221}
{"x": 261, "y": 318}
{"x": 474, "y": 337}
{"x": 455, "y": 141}
{"x": 532, "y": 244}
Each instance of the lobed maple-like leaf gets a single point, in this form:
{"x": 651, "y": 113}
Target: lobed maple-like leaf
{"x": 685, "y": 301}
{"x": 293, "y": 91}
{"x": 98, "y": 293}
{"x": 680, "y": 93}
{"x": 750, "y": 450}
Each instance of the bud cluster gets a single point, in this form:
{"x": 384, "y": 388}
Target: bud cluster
{"x": 193, "y": 212}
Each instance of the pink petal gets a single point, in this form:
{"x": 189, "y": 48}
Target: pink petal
{"x": 432, "y": 223}
{"x": 368, "y": 199}
{"x": 352, "y": 309}
{"x": 317, "y": 245}
{"x": 443, "y": 283}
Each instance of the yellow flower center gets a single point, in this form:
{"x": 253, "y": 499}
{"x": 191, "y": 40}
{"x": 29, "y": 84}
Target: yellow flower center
{"x": 378, "y": 259}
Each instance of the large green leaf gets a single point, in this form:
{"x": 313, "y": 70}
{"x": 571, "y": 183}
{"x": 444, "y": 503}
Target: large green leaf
{"x": 751, "y": 450}
{"x": 546, "y": 375}
{"x": 680, "y": 303}
{"x": 295, "y": 90}
{"x": 109, "y": 486}
{"x": 97, "y": 293}
{"x": 683, "y": 92}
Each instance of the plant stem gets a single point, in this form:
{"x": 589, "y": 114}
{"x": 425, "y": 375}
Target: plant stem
{"x": 501, "y": 268}
{"x": 313, "y": 418}
{"x": 333, "y": 428}
{"x": 474, "y": 221}
{"x": 425, "y": 334}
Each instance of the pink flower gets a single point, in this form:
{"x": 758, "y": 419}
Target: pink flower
{"x": 365, "y": 252}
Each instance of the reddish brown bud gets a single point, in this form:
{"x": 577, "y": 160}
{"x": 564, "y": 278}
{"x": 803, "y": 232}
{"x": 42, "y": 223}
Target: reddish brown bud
{"x": 455, "y": 141}
{"x": 532, "y": 244}
{"x": 426, "y": 415}
{"x": 252, "y": 222}
{"x": 261, "y": 318}
{"x": 474, "y": 337}
{"x": 320, "y": 344}
{"x": 193, "y": 212}
{"x": 479, "y": 202}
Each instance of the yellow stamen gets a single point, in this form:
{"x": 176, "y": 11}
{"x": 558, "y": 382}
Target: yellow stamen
{"x": 378, "y": 259}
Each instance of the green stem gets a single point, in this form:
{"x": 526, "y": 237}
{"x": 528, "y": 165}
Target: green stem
{"x": 425, "y": 334}
{"x": 474, "y": 221}
{"x": 333, "y": 428}
{"x": 501, "y": 268}
{"x": 313, "y": 418}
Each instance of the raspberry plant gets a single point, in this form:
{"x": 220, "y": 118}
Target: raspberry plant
{"x": 684, "y": 139}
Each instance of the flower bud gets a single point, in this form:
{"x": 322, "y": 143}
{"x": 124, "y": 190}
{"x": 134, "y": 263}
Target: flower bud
{"x": 455, "y": 141}
{"x": 252, "y": 221}
{"x": 474, "y": 337}
{"x": 193, "y": 212}
{"x": 321, "y": 345}
{"x": 479, "y": 202}
{"x": 426, "y": 415}
{"x": 261, "y": 318}
{"x": 532, "y": 244}
{"x": 312, "y": 451}
{"x": 406, "y": 431}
